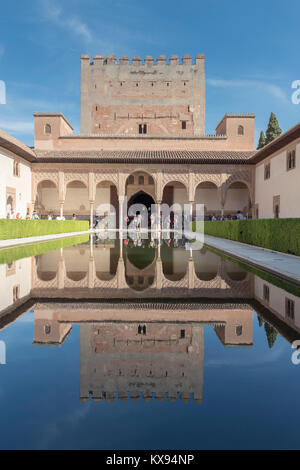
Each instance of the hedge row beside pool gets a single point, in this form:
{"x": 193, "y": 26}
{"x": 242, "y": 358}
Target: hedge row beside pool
{"x": 11, "y": 229}
{"x": 275, "y": 234}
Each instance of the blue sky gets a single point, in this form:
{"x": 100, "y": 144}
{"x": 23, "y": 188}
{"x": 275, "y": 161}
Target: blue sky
{"x": 251, "y": 49}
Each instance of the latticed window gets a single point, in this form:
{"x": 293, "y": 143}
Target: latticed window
{"x": 291, "y": 159}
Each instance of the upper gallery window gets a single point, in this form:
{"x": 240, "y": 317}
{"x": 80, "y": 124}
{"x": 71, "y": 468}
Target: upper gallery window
{"x": 291, "y": 159}
{"x": 48, "y": 129}
{"x": 183, "y": 125}
{"x": 241, "y": 130}
{"x": 142, "y": 128}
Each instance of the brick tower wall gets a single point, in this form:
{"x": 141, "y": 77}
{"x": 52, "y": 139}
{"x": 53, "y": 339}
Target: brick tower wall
{"x": 122, "y": 98}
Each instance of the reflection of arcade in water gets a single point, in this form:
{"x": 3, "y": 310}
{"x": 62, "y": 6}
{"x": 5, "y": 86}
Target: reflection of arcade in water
{"x": 142, "y": 311}
{"x": 148, "y": 269}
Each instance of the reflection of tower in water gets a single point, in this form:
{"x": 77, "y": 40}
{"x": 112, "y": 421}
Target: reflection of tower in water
{"x": 147, "y": 360}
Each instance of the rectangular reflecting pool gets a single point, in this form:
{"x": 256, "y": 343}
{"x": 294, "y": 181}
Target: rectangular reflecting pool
{"x": 143, "y": 344}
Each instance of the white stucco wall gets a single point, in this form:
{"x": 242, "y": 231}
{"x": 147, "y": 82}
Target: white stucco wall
{"x": 277, "y": 300}
{"x": 282, "y": 183}
{"x": 18, "y": 275}
{"x": 21, "y": 184}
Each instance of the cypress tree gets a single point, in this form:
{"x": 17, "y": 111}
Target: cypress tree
{"x": 271, "y": 334}
{"x": 262, "y": 140}
{"x": 273, "y": 130}
{"x": 260, "y": 321}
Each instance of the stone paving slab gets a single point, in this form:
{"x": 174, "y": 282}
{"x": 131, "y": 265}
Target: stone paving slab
{"x": 43, "y": 238}
{"x": 281, "y": 264}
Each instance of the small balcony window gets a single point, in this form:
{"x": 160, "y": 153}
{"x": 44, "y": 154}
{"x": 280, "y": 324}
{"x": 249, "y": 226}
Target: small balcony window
{"x": 239, "y": 330}
{"x": 16, "y": 168}
{"x": 290, "y": 308}
{"x": 266, "y": 293}
{"x": 241, "y": 130}
{"x": 48, "y": 129}
{"x": 267, "y": 171}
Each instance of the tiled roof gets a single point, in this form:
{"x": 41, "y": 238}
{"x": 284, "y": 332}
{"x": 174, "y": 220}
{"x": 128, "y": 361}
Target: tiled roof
{"x": 162, "y": 156}
{"x": 15, "y": 146}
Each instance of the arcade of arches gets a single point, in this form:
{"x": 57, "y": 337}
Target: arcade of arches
{"x": 102, "y": 191}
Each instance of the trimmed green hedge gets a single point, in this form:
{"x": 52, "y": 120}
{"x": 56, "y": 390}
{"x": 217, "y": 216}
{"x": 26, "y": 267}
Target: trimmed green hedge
{"x": 10, "y": 229}
{"x": 276, "y": 234}
{"x": 9, "y": 255}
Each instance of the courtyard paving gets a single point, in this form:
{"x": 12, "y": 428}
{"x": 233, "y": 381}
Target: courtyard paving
{"x": 281, "y": 264}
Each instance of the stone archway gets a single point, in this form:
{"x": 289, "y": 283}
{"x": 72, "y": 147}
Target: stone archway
{"x": 238, "y": 198}
{"x": 175, "y": 192}
{"x": 207, "y": 193}
{"x": 77, "y": 200}
{"x": 47, "y": 200}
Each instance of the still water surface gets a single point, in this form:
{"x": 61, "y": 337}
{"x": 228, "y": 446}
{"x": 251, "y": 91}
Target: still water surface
{"x": 116, "y": 344}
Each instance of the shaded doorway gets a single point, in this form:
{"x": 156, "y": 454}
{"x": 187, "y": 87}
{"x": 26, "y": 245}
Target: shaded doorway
{"x": 141, "y": 198}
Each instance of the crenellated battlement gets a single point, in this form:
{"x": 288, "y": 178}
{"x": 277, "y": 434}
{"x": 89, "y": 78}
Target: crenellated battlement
{"x": 111, "y": 397}
{"x": 136, "y": 61}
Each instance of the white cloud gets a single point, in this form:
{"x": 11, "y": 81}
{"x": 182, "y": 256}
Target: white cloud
{"x": 270, "y": 88}
{"x": 54, "y": 13}
{"x": 16, "y": 127}
{"x": 249, "y": 361}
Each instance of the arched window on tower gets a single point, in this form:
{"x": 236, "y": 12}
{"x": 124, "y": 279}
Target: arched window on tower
{"x": 241, "y": 130}
{"x": 48, "y": 129}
